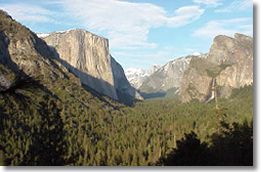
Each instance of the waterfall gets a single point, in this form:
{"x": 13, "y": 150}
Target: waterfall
{"x": 213, "y": 91}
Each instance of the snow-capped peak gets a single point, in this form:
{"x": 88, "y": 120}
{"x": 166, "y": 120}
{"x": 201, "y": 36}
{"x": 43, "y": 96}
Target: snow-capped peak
{"x": 136, "y": 76}
{"x": 196, "y": 53}
{"x": 132, "y": 71}
{"x": 42, "y": 35}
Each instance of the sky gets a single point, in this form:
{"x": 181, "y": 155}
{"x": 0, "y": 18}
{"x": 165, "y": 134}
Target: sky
{"x": 141, "y": 33}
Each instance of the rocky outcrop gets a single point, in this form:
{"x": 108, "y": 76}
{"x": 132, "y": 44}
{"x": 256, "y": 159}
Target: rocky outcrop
{"x": 24, "y": 53}
{"x": 230, "y": 62}
{"x": 7, "y": 78}
{"x": 87, "y": 56}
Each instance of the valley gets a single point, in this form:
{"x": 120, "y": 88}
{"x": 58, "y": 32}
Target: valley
{"x": 141, "y": 135}
{"x": 64, "y": 100}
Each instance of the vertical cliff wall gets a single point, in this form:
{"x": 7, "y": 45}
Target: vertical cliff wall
{"x": 229, "y": 61}
{"x": 87, "y": 56}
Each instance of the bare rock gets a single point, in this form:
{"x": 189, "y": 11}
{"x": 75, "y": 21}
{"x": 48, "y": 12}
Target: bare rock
{"x": 87, "y": 56}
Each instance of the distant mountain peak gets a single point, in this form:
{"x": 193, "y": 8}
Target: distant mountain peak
{"x": 196, "y": 53}
{"x": 136, "y": 76}
{"x": 167, "y": 77}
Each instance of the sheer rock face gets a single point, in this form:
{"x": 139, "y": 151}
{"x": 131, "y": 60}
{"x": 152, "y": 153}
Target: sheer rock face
{"x": 238, "y": 52}
{"x": 125, "y": 92}
{"x": 230, "y": 61}
{"x": 195, "y": 82}
{"x": 87, "y": 56}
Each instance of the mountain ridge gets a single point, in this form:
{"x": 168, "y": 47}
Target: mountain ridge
{"x": 136, "y": 76}
{"x": 168, "y": 77}
{"x": 230, "y": 59}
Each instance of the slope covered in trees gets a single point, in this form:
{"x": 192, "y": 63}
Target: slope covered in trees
{"x": 44, "y": 132}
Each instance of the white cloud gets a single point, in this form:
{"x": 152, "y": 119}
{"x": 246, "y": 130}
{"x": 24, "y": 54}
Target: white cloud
{"x": 213, "y": 3}
{"x": 225, "y": 27}
{"x": 28, "y": 13}
{"x": 236, "y": 5}
{"x": 128, "y": 24}
{"x": 184, "y": 15}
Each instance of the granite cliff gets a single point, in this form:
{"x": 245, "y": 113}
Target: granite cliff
{"x": 87, "y": 56}
{"x": 229, "y": 62}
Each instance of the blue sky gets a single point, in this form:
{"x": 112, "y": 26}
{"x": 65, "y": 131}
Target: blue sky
{"x": 141, "y": 32}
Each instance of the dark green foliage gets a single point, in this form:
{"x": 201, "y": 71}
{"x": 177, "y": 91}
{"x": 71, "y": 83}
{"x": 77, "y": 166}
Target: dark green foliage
{"x": 70, "y": 127}
{"x": 232, "y": 146}
{"x": 189, "y": 151}
{"x": 48, "y": 145}
{"x": 31, "y": 129}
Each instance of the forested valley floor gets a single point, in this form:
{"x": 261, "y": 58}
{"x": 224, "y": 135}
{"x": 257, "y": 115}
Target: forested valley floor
{"x": 36, "y": 129}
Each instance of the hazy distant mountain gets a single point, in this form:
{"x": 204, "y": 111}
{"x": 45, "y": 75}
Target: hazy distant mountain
{"x": 137, "y": 76}
{"x": 168, "y": 77}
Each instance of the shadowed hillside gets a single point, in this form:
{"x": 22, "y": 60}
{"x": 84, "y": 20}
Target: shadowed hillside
{"x": 232, "y": 146}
